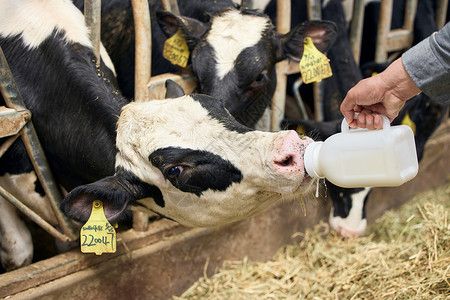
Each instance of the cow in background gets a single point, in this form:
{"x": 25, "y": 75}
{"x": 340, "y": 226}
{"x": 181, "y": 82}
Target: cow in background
{"x": 185, "y": 158}
{"x": 233, "y": 52}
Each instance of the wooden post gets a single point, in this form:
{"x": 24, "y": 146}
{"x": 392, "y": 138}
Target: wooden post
{"x": 92, "y": 16}
{"x": 279, "y": 98}
{"x": 171, "y": 5}
{"x": 397, "y": 39}
{"x": 356, "y": 28}
{"x": 441, "y": 12}
{"x": 143, "y": 45}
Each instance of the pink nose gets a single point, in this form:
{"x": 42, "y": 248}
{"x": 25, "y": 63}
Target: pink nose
{"x": 289, "y": 152}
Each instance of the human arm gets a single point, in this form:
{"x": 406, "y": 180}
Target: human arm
{"x": 428, "y": 64}
{"x": 425, "y": 67}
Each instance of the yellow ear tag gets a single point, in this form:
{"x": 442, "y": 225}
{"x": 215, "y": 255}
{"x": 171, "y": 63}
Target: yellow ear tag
{"x": 97, "y": 235}
{"x": 407, "y": 121}
{"x": 176, "y": 50}
{"x": 314, "y": 65}
{"x": 301, "y": 130}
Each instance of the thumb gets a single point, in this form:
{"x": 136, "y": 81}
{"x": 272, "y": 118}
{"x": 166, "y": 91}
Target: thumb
{"x": 347, "y": 110}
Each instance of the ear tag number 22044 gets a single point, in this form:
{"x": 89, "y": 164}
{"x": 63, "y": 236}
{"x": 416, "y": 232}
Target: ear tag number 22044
{"x": 314, "y": 65}
{"x": 98, "y": 235}
{"x": 176, "y": 49}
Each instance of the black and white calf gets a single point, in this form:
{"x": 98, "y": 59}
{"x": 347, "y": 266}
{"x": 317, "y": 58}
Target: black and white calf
{"x": 233, "y": 52}
{"x": 185, "y": 158}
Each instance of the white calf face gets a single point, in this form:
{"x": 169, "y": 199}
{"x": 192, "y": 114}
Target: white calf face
{"x": 209, "y": 169}
{"x": 189, "y": 160}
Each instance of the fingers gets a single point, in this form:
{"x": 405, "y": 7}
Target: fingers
{"x": 378, "y": 122}
{"x": 366, "y": 119}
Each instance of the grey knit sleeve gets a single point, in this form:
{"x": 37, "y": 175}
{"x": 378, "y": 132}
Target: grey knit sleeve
{"x": 428, "y": 64}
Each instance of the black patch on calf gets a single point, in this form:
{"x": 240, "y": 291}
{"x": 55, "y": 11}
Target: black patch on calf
{"x": 173, "y": 90}
{"x": 114, "y": 191}
{"x": 202, "y": 170}
{"x": 74, "y": 107}
{"x": 218, "y": 112}
{"x": 342, "y": 200}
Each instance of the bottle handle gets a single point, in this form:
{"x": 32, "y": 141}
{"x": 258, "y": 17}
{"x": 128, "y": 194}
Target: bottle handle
{"x": 346, "y": 129}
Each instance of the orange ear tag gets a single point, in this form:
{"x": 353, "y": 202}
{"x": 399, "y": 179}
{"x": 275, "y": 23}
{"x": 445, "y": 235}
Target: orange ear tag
{"x": 314, "y": 65}
{"x": 176, "y": 50}
{"x": 98, "y": 235}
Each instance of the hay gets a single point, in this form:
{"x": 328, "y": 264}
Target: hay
{"x": 404, "y": 255}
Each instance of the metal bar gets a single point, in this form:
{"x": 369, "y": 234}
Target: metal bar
{"x": 384, "y": 26}
{"x": 33, "y": 216}
{"x": 12, "y": 121}
{"x": 441, "y": 13}
{"x": 279, "y": 98}
{"x": 356, "y": 29}
{"x": 92, "y": 16}
{"x": 8, "y": 87}
{"x": 171, "y": 5}
{"x": 42, "y": 169}
{"x": 143, "y": 45}
{"x": 318, "y": 101}
{"x": 13, "y": 99}
{"x": 298, "y": 98}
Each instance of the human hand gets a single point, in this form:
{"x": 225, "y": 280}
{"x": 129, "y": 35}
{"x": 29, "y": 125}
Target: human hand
{"x": 382, "y": 94}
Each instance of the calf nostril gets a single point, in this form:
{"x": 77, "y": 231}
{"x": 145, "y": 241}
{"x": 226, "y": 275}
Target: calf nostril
{"x": 285, "y": 162}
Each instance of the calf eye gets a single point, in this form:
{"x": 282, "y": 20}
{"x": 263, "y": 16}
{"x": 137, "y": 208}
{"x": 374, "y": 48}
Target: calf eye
{"x": 174, "y": 171}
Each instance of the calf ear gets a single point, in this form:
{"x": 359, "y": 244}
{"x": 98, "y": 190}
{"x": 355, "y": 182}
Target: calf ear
{"x": 322, "y": 33}
{"x": 173, "y": 90}
{"x": 193, "y": 29}
{"x": 318, "y": 130}
{"x": 78, "y": 203}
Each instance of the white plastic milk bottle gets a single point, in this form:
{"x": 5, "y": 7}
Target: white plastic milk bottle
{"x": 364, "y": 158}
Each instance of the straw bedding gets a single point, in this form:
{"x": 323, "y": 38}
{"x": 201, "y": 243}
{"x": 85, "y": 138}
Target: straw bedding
{"x": 404, "y": 255}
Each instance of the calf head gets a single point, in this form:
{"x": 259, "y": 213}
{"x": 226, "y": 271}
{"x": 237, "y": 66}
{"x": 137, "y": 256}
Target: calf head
{"x": 234, "y": 55}
{"x": 189, "y": 160}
